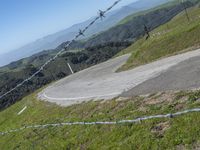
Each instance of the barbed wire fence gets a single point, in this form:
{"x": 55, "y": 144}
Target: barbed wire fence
{"x": 138, "y": 120}
{"x": 81, "y": 33}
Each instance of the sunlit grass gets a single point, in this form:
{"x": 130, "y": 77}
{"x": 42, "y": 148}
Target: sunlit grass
{"x": 151, "y": 134}
{"x": 176, "y": 36}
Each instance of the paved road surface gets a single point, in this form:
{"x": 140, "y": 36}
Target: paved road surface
{"x": 183, "y": 76}
{"x": 101, "y": 81}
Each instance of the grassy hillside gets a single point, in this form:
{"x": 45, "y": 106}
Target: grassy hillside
{"x": 133, "y": 28}
{"x": 132, "y": 16}
{"x": 175, "y": 133}
{"x": 93, "y": 51}
{"x": 176, "y": 36}
{"x": 168, "y": 4}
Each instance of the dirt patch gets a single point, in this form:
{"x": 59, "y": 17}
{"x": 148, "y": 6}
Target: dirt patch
{"x": 143, "y": 109}
{"x": 160, "y": 128}
{"x": 195, "y": 146}
{"x": 179, "y": 106}
{"x": 119, "y": 99}
{"x": 160, "y": 98}
{"x": 183, "y": 99}
{"x": 180, "y": 147}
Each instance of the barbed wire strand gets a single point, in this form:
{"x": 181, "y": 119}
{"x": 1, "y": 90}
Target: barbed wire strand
{"x": 170, "y": 115}
{"x": 61, "y": 51}
{"x": 86, "y": 123}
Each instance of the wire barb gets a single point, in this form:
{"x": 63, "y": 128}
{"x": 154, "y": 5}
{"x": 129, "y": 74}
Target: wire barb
{"x": 81, "y": 33}
{"x": 101, "y": 14}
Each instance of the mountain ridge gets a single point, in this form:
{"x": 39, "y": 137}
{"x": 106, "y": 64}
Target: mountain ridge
{"x": 53, "y": 40}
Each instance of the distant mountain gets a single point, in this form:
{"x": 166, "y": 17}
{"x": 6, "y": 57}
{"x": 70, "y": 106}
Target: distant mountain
{"x": 52, "y": 41}
{"x": 94, "y": 50}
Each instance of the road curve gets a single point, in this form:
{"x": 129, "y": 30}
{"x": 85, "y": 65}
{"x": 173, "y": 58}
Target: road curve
{"x": 101, "y": 81}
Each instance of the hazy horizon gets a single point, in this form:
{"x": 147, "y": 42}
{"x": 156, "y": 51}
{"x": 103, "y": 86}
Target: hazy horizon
{"x": 26, "y": 21}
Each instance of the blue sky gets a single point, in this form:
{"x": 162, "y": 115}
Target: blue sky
{"x": 23, "y": 21}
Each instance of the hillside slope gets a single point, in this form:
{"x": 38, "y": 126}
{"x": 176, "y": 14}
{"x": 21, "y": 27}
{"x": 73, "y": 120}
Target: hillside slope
{"x": 174, "y": 37}
{"x": 85, "y": 54}
{"x": 181, "y": 132}
{"x": 133, "y": 28}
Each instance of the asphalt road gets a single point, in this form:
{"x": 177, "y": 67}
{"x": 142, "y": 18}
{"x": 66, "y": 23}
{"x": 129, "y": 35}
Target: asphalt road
{"x": 101, "y": 81}
{"x": 183, "y": 76}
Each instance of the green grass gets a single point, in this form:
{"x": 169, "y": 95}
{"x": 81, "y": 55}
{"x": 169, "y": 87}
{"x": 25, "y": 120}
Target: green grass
{"x": 132, "y": 16}
{"x": 176, "y": 36}
{"x": 177, "y": 133}
{"x": 182, "y": 131}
